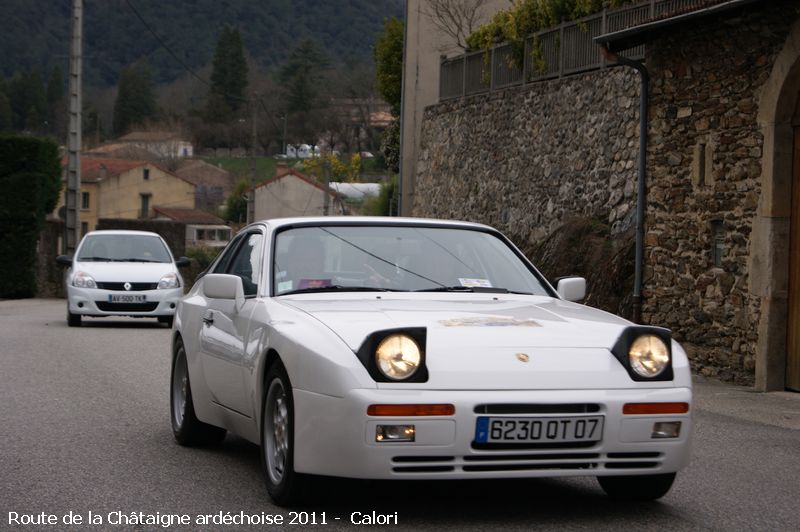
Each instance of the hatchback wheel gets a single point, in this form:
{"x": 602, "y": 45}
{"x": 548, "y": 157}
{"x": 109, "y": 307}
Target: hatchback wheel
{"x": 73, "y": 320}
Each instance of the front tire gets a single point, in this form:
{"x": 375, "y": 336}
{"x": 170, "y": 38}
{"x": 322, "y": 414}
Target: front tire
{"x": 637, "y": 487}
{"x": 73, "y": 320}
{"x": 277, "y": 439}
{"x": 166, "y": 320}
{"x": 187, "y": 429}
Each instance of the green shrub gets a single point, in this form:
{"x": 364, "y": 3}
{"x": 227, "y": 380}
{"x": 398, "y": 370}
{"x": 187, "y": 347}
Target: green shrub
{"x": 30, "y": 177}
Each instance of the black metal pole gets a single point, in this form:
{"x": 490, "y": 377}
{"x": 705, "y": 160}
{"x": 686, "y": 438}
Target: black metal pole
{"x": 641, "y": 195}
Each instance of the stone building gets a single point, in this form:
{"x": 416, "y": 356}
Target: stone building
{"x": 722, "y": 244}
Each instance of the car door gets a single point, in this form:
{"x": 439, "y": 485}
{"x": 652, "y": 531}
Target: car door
{"x": 225, "y": 327}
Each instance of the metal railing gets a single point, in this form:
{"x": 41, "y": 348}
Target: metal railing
{"x": 555, "y": 52}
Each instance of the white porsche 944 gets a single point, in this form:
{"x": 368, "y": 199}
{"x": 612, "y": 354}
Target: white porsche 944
{"x": 392, "y": 348}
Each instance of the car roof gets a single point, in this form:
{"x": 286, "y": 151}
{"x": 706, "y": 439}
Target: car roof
{"x": 388, "y": 221}
{"x": 120, "y": 232}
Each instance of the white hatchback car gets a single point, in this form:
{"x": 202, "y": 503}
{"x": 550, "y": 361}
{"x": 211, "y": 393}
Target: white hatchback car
{"x": 398, "y": 348}
{"x": 122, "y": 273}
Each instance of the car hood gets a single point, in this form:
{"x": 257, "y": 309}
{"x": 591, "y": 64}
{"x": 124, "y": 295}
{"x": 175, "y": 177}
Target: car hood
{"x": 478, "y": 342}
{"x": 134, "y": 272}
{"x": 469, "y": 320}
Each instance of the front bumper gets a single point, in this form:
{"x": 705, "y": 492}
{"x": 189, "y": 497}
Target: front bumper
{"x": 335, "y": 436}
{"x": 95, "y": 302}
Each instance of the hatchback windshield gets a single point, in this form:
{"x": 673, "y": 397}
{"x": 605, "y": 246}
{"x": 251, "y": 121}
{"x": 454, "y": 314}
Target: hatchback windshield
{"x": 397, "y": 258}
{"x": 123, "y": 248}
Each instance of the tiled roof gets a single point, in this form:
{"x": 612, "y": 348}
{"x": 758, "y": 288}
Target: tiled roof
{"x": 283, "y": 171}
{"x": 188, "y": 216}
{"x": 92, "y": 167}
{"x": 200, "y": 172}
{"x": 150, "y": 136}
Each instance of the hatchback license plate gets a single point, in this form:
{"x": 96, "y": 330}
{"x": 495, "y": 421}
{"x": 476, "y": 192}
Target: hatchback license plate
{"x": 127, "y": 298}
{"x": 538, "y": 429}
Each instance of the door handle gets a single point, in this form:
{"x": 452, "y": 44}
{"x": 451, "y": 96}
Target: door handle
{"x": 208, "y": 319}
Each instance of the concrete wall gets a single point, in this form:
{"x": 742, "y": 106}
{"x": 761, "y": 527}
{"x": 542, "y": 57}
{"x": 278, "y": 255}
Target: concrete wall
{"x": 292, "y": 196}
{"x": 424, "y": 45}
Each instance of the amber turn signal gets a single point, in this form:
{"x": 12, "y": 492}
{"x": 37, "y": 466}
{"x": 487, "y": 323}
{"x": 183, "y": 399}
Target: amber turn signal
{"x": 655, "y": 408}
{"x": 411, "y": 410}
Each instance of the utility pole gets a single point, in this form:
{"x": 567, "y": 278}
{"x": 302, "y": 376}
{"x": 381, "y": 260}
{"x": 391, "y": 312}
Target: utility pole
{"x": 285, "y": 117}
{"x": 72, "y": 222}
{"x": 326, "y": 172}
{"x": 251, "y": 198}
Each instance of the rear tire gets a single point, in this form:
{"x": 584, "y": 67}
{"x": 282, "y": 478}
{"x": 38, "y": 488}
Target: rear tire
{"x": 187, "y": 429}
{"x": 637, "y": 487}
{"x": 277, "y": 439}
{"x": 73, "y": 320}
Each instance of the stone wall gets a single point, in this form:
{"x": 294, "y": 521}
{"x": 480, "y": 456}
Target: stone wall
{"x": 704, "y": 167}
{"x": 527, "y": 158}
{"x": 49, "y": 276}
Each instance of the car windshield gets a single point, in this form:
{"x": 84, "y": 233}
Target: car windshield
{"x": 397, "y": 258}
{"x": 123, "y": 248}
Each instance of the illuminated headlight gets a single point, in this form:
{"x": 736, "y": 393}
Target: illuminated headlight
{"x": 648, "y": 355}
{"x": 398, "y": 357}
{"x": 385, "y": 433}
{"x": 170, "y": 280}
{"x": 83, "y": 280}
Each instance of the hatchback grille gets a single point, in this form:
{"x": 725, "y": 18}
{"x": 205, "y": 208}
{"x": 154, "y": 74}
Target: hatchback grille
{"x": 121, "y": 286}
{"x": 126, "y": 307}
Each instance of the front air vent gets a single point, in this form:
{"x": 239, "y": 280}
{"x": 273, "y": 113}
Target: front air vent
{"x": 535, "y": 408}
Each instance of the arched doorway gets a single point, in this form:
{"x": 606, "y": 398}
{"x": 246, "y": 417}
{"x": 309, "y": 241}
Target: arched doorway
{"x": 774, "y": 258}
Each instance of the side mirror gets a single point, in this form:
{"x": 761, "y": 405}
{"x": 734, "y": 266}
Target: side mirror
{"x": 183, "y": 262}
{"x": 226, "y": 287}
{"x": 572, "y": 288}
{"x": 63, "y": 260}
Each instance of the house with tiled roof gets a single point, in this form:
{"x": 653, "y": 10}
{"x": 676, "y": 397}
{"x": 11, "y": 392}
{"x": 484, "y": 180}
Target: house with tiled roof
{"x": 212, "y": 183}
{"x": 292, "y": 193}
{"x": 166, "y": 144}
{"x": 127, "y": 189}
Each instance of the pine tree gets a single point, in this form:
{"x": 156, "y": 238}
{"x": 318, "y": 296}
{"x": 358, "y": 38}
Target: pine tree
{"x": 301, "y": 77}
{"x": 228, "y": 77}
{"x": 135, "y": 102}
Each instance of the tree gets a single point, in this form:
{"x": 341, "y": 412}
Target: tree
{"x": 28, "y": 102}
{"x": 236, "y": 204}
{"x": 389, "y": 63}
{"x": 135, "y": 102}
{"x": 228, "y": 77}
{"x": 455, "y": 18}
{"x": 5, "y": 113}
{"x": 301, "y": 76}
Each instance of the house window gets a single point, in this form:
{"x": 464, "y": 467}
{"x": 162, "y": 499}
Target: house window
{"x": 145, "y": 211}
{"x": 146, "y": 174}
{"x": 84, "y": 227}
{"x": 84, "y": 200}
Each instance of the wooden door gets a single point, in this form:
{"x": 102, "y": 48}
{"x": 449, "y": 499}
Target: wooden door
{"x": 793, "y": 336}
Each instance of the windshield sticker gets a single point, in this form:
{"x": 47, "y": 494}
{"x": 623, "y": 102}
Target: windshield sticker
{"x": 313, "y": 283}
{"x": 283, "y": 286}
{"x": 472, "y": 283}
{"x": 489, "y": 321}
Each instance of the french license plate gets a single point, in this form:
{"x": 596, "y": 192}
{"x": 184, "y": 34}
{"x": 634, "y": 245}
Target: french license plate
{"x": 127, "y": 298}
{"x": 538, "y": 429}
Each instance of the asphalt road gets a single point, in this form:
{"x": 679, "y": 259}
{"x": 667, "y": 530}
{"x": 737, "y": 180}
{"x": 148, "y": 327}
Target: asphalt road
{"x": 85, "y": 428}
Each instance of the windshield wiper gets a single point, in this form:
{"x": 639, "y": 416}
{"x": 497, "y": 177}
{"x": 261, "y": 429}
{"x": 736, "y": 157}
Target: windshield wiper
{"x": 136, "y": 260}
{"x": 95, "y": 259}
{"x": 478, "y": 289}
{"x": 338, "y": 288}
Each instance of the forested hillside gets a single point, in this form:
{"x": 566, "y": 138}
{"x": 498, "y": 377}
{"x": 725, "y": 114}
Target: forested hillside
{"x": 34, "y": 34}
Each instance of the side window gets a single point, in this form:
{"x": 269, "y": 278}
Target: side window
{"x": 227, "y": 254}
{"x": 247, "y": 263}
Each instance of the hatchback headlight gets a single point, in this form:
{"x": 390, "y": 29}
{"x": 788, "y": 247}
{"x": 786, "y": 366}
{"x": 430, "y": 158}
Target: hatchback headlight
{"x": 83, "y": 280}
{"x": 648, "y": 355}
{"x": 398, "y": 357}
{"x": 170, "y": 280}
